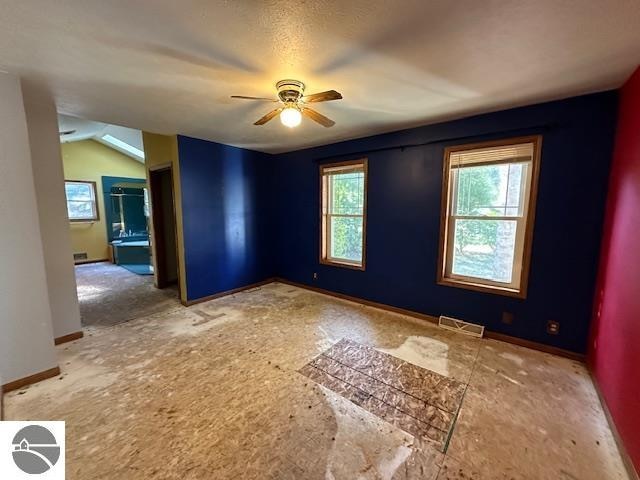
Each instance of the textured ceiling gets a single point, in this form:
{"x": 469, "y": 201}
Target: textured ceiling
{"x": 169, "y": 66}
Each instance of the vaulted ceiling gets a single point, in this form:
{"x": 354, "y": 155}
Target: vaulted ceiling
{"x": 125, "y": 140}
{"x": 169, "y": 67}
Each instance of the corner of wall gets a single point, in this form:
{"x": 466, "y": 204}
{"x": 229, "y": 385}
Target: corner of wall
{"x": 48, "y": 177}
{"x": 613, "y": 355}
{"x": 26, "y": 331}
{"x": 162, "y": 151}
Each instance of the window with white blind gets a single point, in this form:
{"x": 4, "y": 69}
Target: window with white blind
{"x": 489, "y": 193}
{"x": 81, "y": 201}
{"x": 343, "y": 213}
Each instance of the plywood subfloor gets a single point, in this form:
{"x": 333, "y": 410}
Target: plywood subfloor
{"x": 213, "y": 391}
{"x": 415, "y": 399}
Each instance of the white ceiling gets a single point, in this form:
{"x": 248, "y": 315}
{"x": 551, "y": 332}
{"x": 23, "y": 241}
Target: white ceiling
{"x": 169, "y": 66}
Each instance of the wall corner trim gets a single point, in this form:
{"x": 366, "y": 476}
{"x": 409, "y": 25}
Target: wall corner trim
{"x": 68, "y": 338}
{"x": 36, "y": 377}
{"x": 541, "y": 347}
{"x": 626, "y": 458}
{"x": 188, "y": 303}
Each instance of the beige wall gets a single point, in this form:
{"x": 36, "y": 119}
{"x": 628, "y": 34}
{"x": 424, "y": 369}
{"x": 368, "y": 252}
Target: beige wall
{"x": 90, "y": 160}
{"x": 48, "y": 178}
{"x": 26, "y": 332}
{"x": 162, "y": 151}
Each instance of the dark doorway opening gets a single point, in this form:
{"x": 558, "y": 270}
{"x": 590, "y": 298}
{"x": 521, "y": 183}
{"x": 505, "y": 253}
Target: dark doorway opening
{"x": 164, "y": 227}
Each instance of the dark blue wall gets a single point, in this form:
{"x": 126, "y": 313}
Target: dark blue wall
{"x": 403, "y": 219}
{"x": 225, "y": 216}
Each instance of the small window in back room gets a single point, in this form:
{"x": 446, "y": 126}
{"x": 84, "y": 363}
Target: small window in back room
{"x": 343, "y": 215}
{"x": 489, "y": 193}
{"x": 81, "y": 201}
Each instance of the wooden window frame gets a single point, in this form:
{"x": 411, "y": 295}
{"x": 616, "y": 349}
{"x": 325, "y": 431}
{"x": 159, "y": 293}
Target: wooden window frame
{"x": 325, "y": 259}
{"x": 445, "y": 257}
{"x": 96, "y": 209}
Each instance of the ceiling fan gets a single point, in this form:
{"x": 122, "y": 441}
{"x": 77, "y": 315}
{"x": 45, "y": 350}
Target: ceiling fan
{"x": 294, "y": 104}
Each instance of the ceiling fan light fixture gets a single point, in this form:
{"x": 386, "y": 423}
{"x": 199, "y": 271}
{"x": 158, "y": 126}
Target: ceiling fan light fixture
{"x": 290, "y": 116}
{"x": 293, "y": 104}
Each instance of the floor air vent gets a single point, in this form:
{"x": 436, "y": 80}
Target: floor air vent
{"x": 460, "y": 326}
{"x": 80, "y": 256}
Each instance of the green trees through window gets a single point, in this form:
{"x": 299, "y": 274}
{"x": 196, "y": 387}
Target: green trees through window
{"x": 484, "y": 238}
{"x": 486, "y": 233}
{"x": 347, "y": 194}
{"x": 81, "y": 200}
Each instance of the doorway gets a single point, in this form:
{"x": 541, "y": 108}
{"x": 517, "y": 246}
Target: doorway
{"x": 164, "y": 226}
{"x": 108, "y": 197}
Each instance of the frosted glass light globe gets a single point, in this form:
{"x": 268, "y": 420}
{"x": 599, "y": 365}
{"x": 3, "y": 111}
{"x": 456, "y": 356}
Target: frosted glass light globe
{"x": 290, "y": 117}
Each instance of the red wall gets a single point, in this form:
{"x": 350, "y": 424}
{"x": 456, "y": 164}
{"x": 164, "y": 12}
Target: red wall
{"x": 614, "y": 350}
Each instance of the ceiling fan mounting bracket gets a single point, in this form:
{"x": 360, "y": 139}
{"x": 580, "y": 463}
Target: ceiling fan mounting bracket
{"x": 290, "y": 90}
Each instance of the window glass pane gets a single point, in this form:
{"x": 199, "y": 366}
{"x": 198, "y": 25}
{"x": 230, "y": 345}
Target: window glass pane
{"x": 80, "y": 209}
{"x": 346, "y": 238}
{"x": 347, "y": 193}
{"x": 491, "y": 190}
{"x": 79, "y": 191}
{"x": 484, "y": 249}
{"x": 515, "y": 192}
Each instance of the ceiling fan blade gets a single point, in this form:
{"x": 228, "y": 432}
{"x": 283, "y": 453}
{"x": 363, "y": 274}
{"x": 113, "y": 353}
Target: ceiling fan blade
{"x": 262, "y": 99}
{"x": 269, "y": 116}
{"x": 322, "y": 96}
{"x": 318, "y": 117}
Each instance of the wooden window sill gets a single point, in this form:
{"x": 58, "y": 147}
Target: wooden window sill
{"x": 482, "y": 287}
{"x": 345, "y": 264}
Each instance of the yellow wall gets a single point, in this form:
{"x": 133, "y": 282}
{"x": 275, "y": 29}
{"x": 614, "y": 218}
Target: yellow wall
{"x": 90, "y": 160}
{"x": 162, "y": 151}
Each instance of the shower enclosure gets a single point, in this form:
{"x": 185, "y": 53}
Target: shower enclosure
{"x": 127, "y": 214}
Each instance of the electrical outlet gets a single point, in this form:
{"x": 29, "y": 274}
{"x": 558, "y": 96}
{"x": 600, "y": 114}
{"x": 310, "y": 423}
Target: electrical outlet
{"x": 553, "y": 327}
{"x": 315, "y": 275}
{"x": 507, "y": 318}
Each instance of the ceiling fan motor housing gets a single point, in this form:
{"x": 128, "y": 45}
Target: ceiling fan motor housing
{"x": 290, "y": 91}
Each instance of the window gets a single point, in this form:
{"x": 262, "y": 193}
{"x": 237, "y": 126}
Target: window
{"x": 343, "y": 213}
{"x": 489, "y": 193}
{"x": 81, "y": 201}
{"x": 120, "y": 145}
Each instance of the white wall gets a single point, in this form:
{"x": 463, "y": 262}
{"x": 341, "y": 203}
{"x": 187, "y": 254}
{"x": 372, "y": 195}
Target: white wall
{"x": 26, "y": 333}
{"x": 48, "y": 176}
